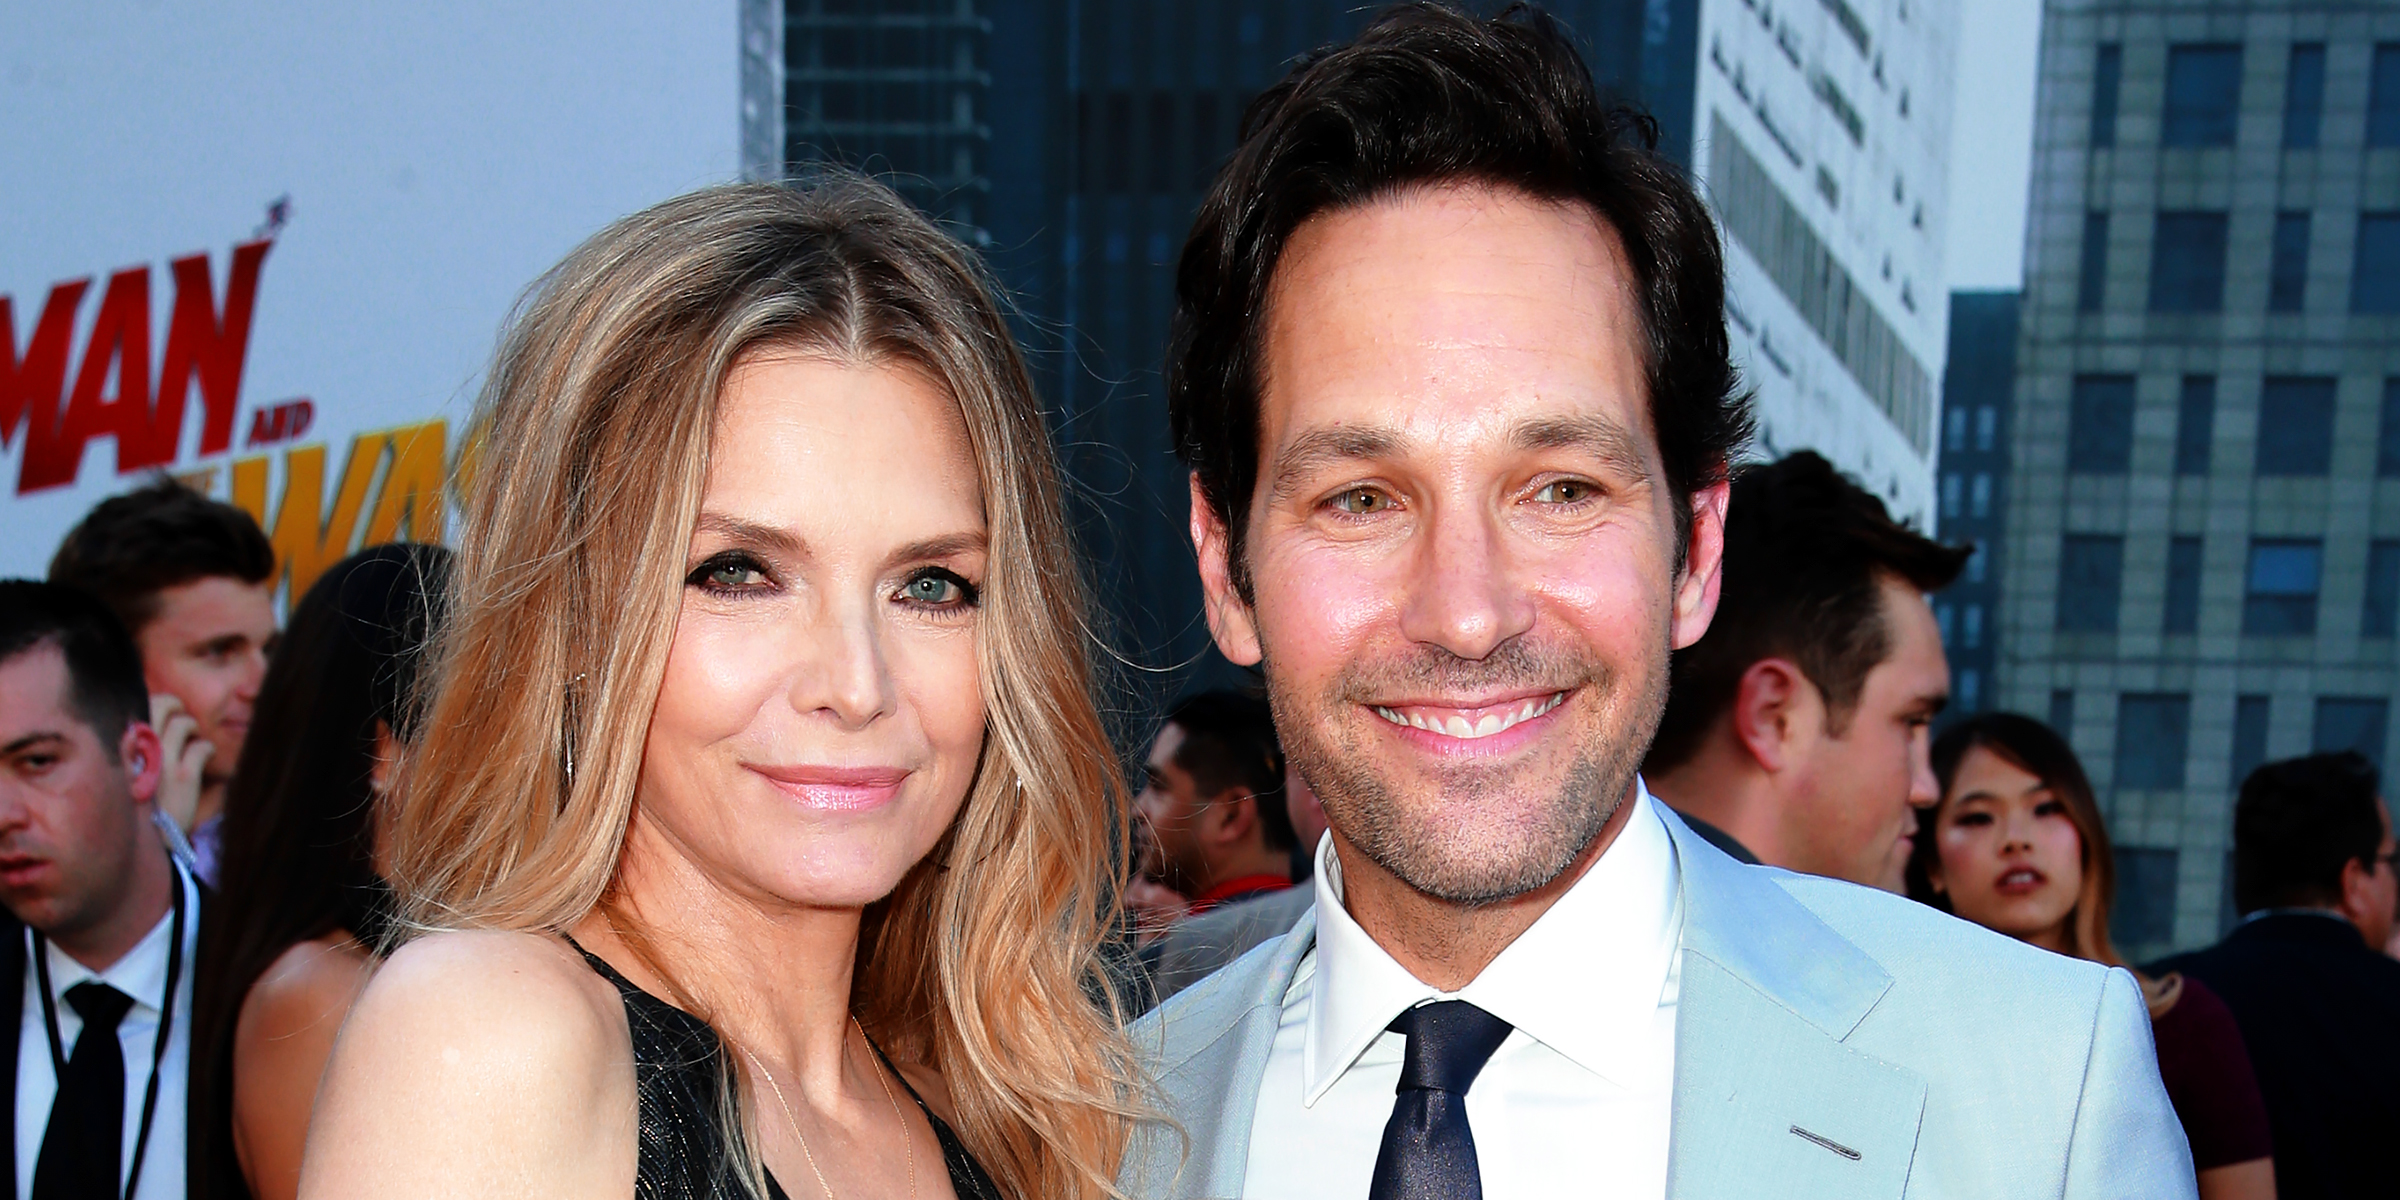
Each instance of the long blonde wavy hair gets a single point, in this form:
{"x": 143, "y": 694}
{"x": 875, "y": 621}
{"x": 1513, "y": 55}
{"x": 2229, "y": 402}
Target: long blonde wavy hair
{"x": 594, "y": 432}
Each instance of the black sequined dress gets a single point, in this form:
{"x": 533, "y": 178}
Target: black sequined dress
{"x": 678, "y": 1079}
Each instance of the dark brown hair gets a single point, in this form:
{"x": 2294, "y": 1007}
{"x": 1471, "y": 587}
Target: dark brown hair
{"x": 2298, "y": 823}
{"x": 298, "y": 848}
{"x": 1806, "y": 553}
{"x": 130, "y": 548}
{"x": 1429, "y": 95}
{"x": 1229, "y": 742}
{"x": 2042, "y": 753}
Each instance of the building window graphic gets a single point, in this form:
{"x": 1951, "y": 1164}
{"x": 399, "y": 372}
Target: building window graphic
{"x": 2183, "y": 586}
{"x": 2091, "y": 285}
{"x": 2108, "y": 68}
{"x": 2204, "y": 95}
{"x": 2153, "y": 733}
{"x": 2295, "y": 425}
{"x": 2303, "y": 95}
{"x": 2287, "y": 269}
{"x": 2091, "y": 575}
{"x": 2144, "y": 915}
{"x": 2249, "y": 737}
{"x": 2195, "y": 424}
{"x": 2100, "y": 425}
{"x": 2379, "y": 615}
{"x": 2187, "y": 263}
{"x": 2387, "y": 431}
{"x": 2281, "y": 593}
{"x": 2383, "y": 97}
{"x": 2375, "y": 267}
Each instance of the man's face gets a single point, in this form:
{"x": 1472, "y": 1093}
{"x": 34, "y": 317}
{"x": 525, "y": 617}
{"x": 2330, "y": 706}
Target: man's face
{"x": 1463, "y": 542}
{"x": 1849, "y": 801}
{"x": 1169, "y": 807}
{"x": 207, "y": 647}
{"x": 71, "y": 807}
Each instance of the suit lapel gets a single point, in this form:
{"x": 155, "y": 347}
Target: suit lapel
{"x": 12, "y": 1004}
{"x": 1768, "y": 1101}
{"x": 1210, "y": 1043}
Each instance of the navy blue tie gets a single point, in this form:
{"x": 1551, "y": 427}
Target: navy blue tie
{"x": 1428, "y": 1151}
{"x": 79, "y": 1159}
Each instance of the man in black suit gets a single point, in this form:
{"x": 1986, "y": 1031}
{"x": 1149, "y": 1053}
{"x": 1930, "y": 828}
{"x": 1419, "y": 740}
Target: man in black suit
{"x": 97, "y": 944}
{"x": 2317, "y": 1001}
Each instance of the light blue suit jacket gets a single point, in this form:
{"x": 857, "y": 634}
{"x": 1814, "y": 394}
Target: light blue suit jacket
{"x": 1936, "y": 1058}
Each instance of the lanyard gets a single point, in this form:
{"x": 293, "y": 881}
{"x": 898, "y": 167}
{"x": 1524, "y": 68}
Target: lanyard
{"x": 166, "y": 1024}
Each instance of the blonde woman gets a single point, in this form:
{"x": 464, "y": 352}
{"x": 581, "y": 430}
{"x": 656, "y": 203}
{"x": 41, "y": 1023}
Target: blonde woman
{"x": 758, "y": 841}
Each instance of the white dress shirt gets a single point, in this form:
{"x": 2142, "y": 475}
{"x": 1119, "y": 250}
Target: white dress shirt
{"x": 1575, "y": 1103}
{"x": 142, "y": 975}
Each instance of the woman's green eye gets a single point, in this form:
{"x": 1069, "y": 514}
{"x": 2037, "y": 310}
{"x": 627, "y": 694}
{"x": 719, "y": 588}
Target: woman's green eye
{"x": 936, "y": 588}
{"x": 730, "y": 575}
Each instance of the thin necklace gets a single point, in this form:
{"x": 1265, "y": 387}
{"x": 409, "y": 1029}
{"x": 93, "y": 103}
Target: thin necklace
{"x": 907, "y": 1140}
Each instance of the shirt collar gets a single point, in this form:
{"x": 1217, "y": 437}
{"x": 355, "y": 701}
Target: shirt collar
{"x": 1584, "y": 979}
{"x": 142, "y": 972}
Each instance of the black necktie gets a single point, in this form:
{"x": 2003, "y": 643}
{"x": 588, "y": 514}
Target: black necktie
{"x": 87, "y": 1120}
{"x": 1428, "y": 1151}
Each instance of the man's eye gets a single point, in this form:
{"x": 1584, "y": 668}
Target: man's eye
{"x": 1362, "y": 501}
{"x": 1566, "y": 491}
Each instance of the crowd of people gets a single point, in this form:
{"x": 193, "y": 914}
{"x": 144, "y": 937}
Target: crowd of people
{"x": 732, "y": 811}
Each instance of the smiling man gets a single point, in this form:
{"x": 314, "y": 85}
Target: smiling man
{"x": 1452, "y": 377}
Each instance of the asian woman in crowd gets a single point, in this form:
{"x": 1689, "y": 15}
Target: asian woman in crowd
{"x": 759, "y": 840}
{"x": 2016, "y": 844}
{"x": 303, "y": 904}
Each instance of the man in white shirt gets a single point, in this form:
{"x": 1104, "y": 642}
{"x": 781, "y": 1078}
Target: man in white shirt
{"x": 1453, "y": 381}
{"x": 97, "y": 946}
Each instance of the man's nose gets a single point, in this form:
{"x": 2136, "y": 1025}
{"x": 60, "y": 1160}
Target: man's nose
{"x": 1464, "y": 592}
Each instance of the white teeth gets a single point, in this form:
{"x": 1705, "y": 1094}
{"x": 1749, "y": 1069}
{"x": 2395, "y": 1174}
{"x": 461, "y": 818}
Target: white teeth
{"x": 1486, "y": 726}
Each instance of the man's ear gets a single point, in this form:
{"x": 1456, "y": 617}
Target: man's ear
{"x": 1696, "y": 589}
{"x": 144, "y": 760}
{"x": 1229, "y": 619}
{"x": 1230, "y": 816}
{"x": 2358, "y": 892}
{"x": 1767, "y": 710}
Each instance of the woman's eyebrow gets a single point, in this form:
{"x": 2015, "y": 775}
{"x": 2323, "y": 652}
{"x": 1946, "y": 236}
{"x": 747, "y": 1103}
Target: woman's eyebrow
{"x": 751, "y": 534}
{"x": 941, "y": 547}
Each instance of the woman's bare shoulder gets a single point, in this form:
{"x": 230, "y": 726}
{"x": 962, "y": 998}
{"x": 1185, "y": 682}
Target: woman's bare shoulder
{"x": 477, "y": 1062}
{"x": 311, "y": 981}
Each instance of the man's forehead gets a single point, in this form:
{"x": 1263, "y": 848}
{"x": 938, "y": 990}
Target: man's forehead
{"x": 34, "y": 692}
{"x": 1451, "y": 313}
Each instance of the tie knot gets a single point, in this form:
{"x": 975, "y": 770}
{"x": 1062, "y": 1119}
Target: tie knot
{"x": 100, "y": 1005}
{"x": 1448, "y": 1043}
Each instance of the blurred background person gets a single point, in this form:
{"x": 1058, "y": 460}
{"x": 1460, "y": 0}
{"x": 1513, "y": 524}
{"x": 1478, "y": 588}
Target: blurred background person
{"x": 2017, "y": 845}
{"x": 1225, "y": 809}
{"x": 304, "y": 907}
{"x": 761, "y": 791}
{"x": 2317, "y": 1002}
{"x": 102, "y": 925}
{"x": 1796, "y": 728}
{"x": 1216, "y": 829}
{"x": 193, "y": 580}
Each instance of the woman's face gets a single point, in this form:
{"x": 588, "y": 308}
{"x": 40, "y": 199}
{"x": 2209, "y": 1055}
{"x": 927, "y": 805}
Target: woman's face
{"x": 822, "y": 710}
{"x": 2010, "y": 859}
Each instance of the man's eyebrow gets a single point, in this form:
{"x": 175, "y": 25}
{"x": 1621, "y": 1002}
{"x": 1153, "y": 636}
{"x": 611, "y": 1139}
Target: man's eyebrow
{"x": 29, "y": 741}
{"x": 1321, "y": 447}
{"x": 750, "y": 534}
{"x": 1594, "y": 433}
